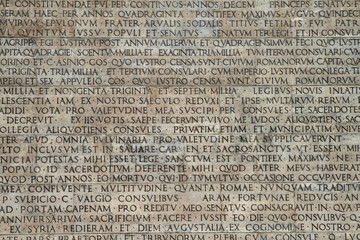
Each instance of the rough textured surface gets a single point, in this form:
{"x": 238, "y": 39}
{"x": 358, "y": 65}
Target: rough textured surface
{"x": 179, "y": 120}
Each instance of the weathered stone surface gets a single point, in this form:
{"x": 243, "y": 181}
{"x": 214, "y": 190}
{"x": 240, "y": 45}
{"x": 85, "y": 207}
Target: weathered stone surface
{"x": 179, "y": 120}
